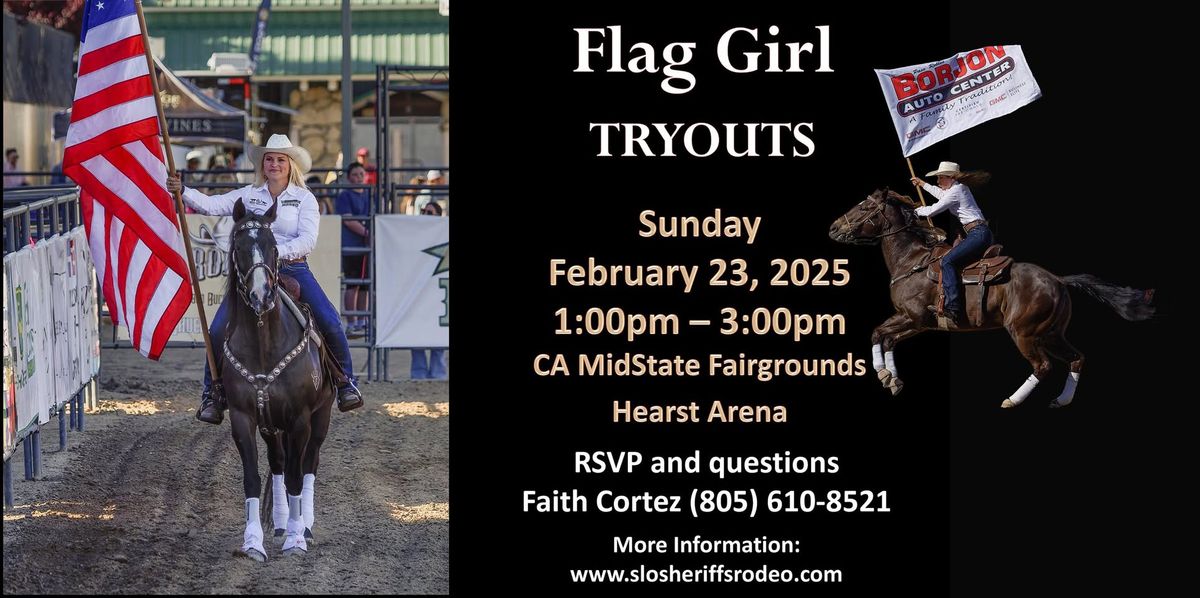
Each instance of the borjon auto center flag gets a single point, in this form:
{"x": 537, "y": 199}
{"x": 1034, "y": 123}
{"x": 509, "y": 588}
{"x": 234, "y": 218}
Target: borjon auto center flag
{"x": 930, "y": 102}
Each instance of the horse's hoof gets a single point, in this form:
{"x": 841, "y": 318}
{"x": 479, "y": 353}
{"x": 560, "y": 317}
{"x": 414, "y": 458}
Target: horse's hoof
{"x": 885, "y": 376}
{"x": 896, "y": 386}
{"x": 295, "y": 551}
{"x": 308, "y": 537}
{"x": 1007, "y": 404}
{"x": 255, "y": 554}
{"x": 279, "y": 533}
{"x": 1056, "y": 405}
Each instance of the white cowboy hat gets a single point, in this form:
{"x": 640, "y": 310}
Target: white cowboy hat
{"x": 433, "y": 174}
{"x": 949, "y": 169}
{"x": 280, "y": 144}
{"x": 193, "y": 155}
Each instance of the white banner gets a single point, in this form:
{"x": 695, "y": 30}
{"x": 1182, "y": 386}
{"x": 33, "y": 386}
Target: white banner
{"x": 87, "y": 322}
{"x": 51, "y": 341}
{"x": 413, "y": 281}
{"x": 210, "y": 252}
{"x": 65, "y": 314}
{"x": 45, "y": 342}
{"x": 30, "y": 334}
{"x": 930, "y": 102}
{"x": 10, "y": 383}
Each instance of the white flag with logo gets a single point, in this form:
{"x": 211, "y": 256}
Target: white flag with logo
{"x": 412, "y": 265}
{"x": 930, "y": 102}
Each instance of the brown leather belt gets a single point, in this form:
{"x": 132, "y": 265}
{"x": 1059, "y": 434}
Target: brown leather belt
{"x": 972, "y": 224}
{"x": 300, "y": 260}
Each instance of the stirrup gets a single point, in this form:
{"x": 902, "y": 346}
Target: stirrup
{"x": 211, "y": 411}
{"x": 349, "y": 398}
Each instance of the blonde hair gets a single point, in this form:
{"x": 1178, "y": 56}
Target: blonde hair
{"x": 294, "y": 176}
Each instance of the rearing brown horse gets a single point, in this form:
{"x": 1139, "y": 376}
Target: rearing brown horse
{"x": 1031, "y": 303}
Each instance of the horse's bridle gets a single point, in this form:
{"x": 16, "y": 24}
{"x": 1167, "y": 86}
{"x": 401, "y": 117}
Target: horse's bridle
{"x": 870, "y": 217}
{"x": 261, "y": 382}
{"x": 243, "y": 278}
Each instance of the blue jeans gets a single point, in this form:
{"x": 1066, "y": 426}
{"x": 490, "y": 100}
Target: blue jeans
{"x": 433, "y": 369}
{"x": 325, "y": 315}
{"x": 969, "y": 250}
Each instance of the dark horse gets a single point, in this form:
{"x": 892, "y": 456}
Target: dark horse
{"x": 276, "y": 378}
{"x": 1032, "y": 304}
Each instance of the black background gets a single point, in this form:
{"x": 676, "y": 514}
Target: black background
{"x": 983, "y": 500}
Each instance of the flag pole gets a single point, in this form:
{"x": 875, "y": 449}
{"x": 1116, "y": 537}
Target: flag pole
{"x": 920, "y": 196}
{"x": 187, "y": 237}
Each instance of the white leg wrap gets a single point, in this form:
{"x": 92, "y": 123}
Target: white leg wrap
{"x": 306, "y": 499}
{"x": 877, "y": 357}
{"x": 253, "y": 538}
{"x": 1023, "y": 393}
{"x": 279, "y": 504}
{"x": 1068, "y": 393}
{"x": 295, "y": 526}
{"x": 889, "y": 360}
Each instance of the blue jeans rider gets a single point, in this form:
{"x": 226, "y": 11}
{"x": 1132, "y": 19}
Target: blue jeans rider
{"x": 279, "y": 168}
{"x": 952, "y": 192}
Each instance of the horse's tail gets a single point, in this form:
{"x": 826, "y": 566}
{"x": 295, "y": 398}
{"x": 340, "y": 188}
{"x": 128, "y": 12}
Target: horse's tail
{"x": 1129, "y": 303}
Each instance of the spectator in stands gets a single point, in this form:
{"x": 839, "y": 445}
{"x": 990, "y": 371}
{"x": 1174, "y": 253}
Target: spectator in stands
{"x": 10, "y": 165}
{"x": 433, "y": 177}
{"x": 193, "y": 165}
{"x": 433, "y": 368}
{"x": 406, "y": 203}
{"x": 221, "y": 173}
{"x": 321, "y": 193}
{"x": 355, "y": 233}
{"x": 364, "y": 157}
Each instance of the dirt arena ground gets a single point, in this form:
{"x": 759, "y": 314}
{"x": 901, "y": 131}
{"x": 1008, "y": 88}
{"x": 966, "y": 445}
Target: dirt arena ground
{"x": 148, "y": 500}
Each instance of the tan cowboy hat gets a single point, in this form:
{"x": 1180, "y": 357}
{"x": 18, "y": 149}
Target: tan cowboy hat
{"x": 280, "y": 144}
{"x": 949, "y": 169}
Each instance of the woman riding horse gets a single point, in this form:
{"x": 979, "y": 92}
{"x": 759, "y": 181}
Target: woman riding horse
{"x": 1031, "y": 303}
{"x": 951, "y": 192}
{"x": 279, "y": 169}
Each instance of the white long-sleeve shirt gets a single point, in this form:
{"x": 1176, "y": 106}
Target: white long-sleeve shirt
{"x": 957, "y": 196}
{"x": 297, "y": 220}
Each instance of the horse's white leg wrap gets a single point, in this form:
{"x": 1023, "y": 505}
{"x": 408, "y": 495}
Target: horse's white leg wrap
{"x": 877, "y": 357}
{"x": 295, "y": 526}
{"x": 306, "y": 499}
{"x": 1023, "y": 393}
{"x": 253, "y": 538}
{"x": 279, "y": 504}
{"x": 1068, "y": 393}
{"x": 889, "y": 360}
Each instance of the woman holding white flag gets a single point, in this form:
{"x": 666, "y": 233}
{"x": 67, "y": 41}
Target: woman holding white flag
{"x": 953, "y": 191}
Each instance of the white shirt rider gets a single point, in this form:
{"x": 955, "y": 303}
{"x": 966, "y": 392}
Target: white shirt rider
{"x": 297, "y": 220}
{"x": 957, "y": 196}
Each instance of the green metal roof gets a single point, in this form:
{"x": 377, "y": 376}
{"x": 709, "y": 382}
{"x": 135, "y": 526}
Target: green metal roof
{"x": 303, "y": 42}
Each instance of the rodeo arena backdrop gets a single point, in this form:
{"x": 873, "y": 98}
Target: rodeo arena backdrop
{"x": 111, "y": 281}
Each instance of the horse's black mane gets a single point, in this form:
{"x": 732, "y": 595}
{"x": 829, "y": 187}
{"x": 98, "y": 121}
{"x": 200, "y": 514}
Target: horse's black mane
{"x": 929, "y": 235}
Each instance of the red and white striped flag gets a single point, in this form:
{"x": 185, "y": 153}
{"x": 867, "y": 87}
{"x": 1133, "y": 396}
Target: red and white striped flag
{"x": 114, "y": 154}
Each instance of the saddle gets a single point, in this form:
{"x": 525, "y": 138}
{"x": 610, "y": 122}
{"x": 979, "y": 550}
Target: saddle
{"x": 989, "y": 268}
{"x": 992, "y": 268}
{"x": 301, "y": 310}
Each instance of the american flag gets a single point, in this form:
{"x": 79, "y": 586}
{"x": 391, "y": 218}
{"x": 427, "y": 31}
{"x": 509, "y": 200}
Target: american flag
{"x": 114, "y": 154}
